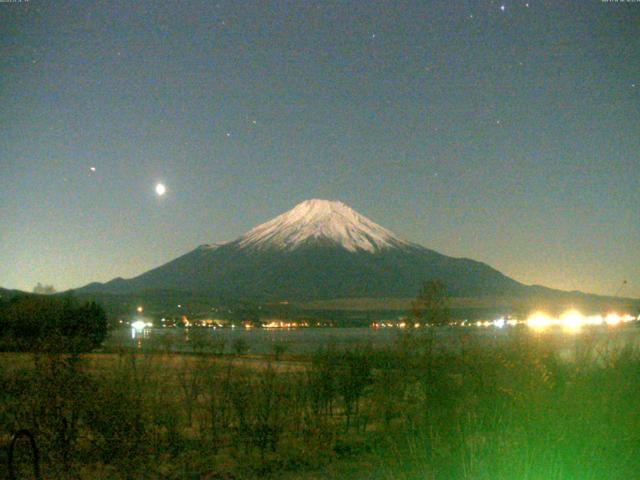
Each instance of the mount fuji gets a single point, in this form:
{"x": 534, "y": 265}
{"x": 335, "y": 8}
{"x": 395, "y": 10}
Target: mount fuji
{"x": 319, "y": 250}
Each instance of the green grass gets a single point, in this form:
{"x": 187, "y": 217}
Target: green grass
{"x": 507, "y": 410}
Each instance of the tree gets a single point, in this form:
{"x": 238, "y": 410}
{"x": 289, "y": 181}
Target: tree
{"x": 240, "y": 346}
{"x": 431, "y": 305}
{"x": 352, "y": 377}
{"x": 278, "y": 348}
{"x": 44, "y": 289}
{"x": 52, "y": 324}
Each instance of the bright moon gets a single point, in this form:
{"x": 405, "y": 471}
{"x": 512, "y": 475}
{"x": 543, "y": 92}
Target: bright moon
{"x": 160, "y": 189}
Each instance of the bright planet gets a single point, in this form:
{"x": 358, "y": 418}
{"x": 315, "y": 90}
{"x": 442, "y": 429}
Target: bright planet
{"x": 161, "y": 189}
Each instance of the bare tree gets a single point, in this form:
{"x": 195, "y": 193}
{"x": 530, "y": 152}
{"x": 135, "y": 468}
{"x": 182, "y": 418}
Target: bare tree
{"x": 44, "y": 289}
{"x": 431, "y": 305}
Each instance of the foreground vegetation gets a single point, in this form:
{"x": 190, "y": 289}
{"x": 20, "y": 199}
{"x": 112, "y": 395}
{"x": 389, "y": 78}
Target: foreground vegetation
{"x": 512, "y": 410}
{"x": 36, "y": 323}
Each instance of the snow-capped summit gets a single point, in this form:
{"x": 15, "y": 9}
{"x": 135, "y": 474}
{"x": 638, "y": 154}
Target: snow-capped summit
{"x": 324, "y": 222}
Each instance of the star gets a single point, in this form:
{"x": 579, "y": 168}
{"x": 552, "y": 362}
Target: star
{"x": 160, "y": 189}
{"x": 502, "y": 7}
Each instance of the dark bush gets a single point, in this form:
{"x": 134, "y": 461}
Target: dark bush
{"x": 240, "y": 346}
{"x": 33, "y": 323}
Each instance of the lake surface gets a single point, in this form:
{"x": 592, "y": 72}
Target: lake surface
{"x": 309, "y": 340}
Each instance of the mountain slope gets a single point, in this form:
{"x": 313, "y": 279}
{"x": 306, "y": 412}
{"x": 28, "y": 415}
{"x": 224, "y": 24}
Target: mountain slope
{"x": 318, "y": 250}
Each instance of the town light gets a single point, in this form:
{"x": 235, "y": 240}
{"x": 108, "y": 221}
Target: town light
{"x": 139, "y": 325}
{"x": 613, "y": 319}
{"x": 572, "y": 321}
{"x": 539, "y": 321}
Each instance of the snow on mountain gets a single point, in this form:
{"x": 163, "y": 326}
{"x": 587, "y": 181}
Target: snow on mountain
{"x": 210, "y": 246}
{"x": 321, "y": 221}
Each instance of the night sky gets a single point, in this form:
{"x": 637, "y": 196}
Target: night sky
{"x": 507, "y": 132}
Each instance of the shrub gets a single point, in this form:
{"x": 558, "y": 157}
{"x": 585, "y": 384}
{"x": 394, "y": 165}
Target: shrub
{"x": 47, "y": 324}
{"x": 240, "y": 346}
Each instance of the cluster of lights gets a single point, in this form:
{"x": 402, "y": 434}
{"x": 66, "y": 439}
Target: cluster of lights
{"x": 498, "y": 323}
{"x": 573, "y": 320}
{"x": 570, "y": 321}
{"x": 206, "y": 322}
{"x": 402, "y": 324}
{"x": 281, "y": 324}
{"x": 140, "y": 325}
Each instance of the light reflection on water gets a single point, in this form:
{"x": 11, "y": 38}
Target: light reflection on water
{"x": 309, "y": 340}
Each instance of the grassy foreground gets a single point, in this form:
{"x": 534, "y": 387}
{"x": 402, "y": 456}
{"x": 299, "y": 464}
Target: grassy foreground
{"x": 510, "y": 410}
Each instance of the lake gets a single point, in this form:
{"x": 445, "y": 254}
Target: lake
{"x": 309, "y": 340}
